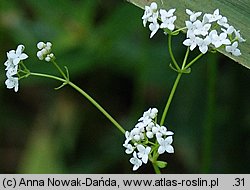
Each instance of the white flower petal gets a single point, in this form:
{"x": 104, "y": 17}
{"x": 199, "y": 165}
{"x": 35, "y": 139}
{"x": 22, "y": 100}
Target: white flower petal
{"x": 161, "y": 150}
{"x": 169, "y": 149}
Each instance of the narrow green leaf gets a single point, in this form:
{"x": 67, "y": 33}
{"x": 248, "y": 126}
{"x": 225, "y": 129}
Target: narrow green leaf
{"x": 161, "y": 164}
{"x": 237, "y": 13}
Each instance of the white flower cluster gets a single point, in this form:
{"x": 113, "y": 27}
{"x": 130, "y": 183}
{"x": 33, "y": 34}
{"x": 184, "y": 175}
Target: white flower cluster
{"x": 45, "y": 51}
{"x": 151, "y": 15}
{"x": 202, "y": 33}
{"x": 138, "y": 140}
{"x": 14, "y": 58}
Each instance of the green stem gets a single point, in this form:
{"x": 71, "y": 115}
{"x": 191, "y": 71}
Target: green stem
{"x": 59, "y": 69}
{"x": 185, "y": 58}
{"x": 154, "y": 159}
{"x": 156, "y": 168}
{"x": 47, "y": 76}
{"x": 170, "y": 98}
{"x": 98, "y": 106}
{"x": 193, "y": 61}
{"x": 171, "y": 52}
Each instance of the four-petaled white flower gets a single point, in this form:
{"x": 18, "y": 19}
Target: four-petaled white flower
{"x": 213, "y": 17}
{"x": 143, "y": 153}
{"x": 168, "y": 19}
{"x": 135, "y": 161}
{"x": 201, "y": 28}
{"x": 16, "y": 56}
{"x": 233, "y": 49}
{"x": 169, "y": 23}
{"x": 223, "y": 22}
{"x": 191, "y": 42}
{"x": 165, "y": 145}
{"x": 218, "y": 40}
{"x": 203, "y": 44}
{"x": 193, "y": 15}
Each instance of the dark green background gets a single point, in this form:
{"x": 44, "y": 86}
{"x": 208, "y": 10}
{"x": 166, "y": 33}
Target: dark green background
{"x": 109, "y": 54}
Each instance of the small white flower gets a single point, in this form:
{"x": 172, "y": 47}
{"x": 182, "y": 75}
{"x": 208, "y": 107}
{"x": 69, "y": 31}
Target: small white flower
{"x": 129, "y": 148}
{"x": 18, "y": 55}
{"x": 201, "y": 28}
{"x": 135, "y": 161}
{"x": 213, "y": 17}
{"x": 166, "y": 14}
{"x": 151, "y": 113}
{"x": 149, "y": 126}
{"x": 41, "y": 45}
{"x": 223, "y": 22}
{"x": 40, "y": 55}
{"x": 191, "y": 41}
{"x": 11, "y": 71}
{"x": 233, "y": 49}
{"x": 229, "y": 30}
{"x": 193, "y": 15}
{"x": 190, "y": 28}
{"x": 150, "y": 13}
{"x": 165, "y": 145}
{"x": 143, "y": 153}
{"x": 128, "y": 137}
{"x": 203, "y": 44}
{"x": 219, "y": 40}
{"x": 156, "y": 129}
{"x": 144, "y": 121}
{"x": 12, "y": 82}
{"x": 238, "y": 36}
{"x": 169, "y": 23}
{"x": 164, "y": 131}
{"x": 153, "y": 27}
{"x": 149, "y": 134}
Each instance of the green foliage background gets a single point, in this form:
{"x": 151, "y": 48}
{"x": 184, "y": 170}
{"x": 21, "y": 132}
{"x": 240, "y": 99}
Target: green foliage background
{"x": 109, "y": 54}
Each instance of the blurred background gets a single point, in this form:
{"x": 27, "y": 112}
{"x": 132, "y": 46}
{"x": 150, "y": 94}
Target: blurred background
{"x": 110, "y": 56}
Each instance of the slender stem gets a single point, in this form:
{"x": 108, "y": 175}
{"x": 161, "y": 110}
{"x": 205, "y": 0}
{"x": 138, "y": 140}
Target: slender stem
{"x": 154, "y": 159}
{"x": 156, "y": 168}
{"x": 98, "y": 106}
{"x": 47, "y": 76}
{"x": 185, "y": 58}
{"x": 194, "y": 60}
{"x": 170, "y": 98}
{"x": 177, "y": 31}
{"x": 59, "y": 69}
{"x": 171, "y": 52}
